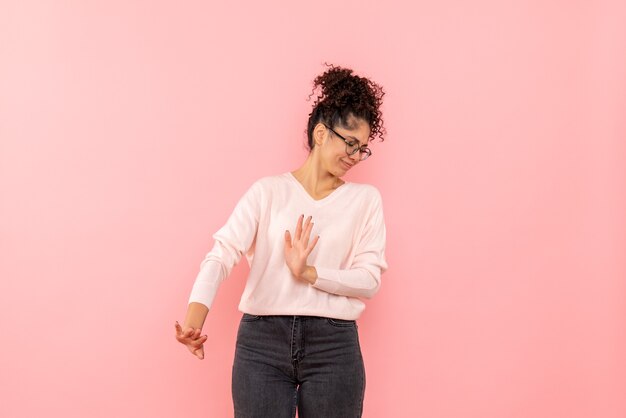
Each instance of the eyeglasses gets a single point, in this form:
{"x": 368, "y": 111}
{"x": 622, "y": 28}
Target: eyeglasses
{"x": 353, "y": 146}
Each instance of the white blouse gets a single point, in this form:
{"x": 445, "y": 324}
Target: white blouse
{"x": 349, "y": 256}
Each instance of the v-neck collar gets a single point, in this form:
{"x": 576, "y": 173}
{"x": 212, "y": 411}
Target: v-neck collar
{"x": 325, "y": 199}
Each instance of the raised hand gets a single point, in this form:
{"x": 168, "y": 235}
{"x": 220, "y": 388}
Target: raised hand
{"x": 192, "y": 339}
{"x": 297, "y": 250}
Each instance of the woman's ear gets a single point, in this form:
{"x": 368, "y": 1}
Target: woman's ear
{"x": 319, "y": 134}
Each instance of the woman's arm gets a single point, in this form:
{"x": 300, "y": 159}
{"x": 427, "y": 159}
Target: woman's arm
{"x": 189, "y": 333}
{"x": 356, "y": 282}
{"x": 232, "y": 240}
{"x": 196, "y": 314}
{"x": 362, "y": 279}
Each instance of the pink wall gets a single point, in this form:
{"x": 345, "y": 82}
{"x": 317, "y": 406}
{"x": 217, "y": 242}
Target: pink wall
{"x": 130, "y": 129}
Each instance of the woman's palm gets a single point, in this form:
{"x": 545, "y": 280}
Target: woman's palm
{"x": 192, "y": 339}
{"x": 297, "y": 250}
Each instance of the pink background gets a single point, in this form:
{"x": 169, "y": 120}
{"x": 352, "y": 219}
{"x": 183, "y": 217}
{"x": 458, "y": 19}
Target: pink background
{"x": 130, "y": 129}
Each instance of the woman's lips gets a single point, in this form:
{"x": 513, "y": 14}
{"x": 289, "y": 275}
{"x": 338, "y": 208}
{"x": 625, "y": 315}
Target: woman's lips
{"x": 346, "y": 165}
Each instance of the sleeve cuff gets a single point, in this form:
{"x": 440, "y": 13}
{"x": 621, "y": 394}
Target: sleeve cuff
{"x": 206, "y": 284}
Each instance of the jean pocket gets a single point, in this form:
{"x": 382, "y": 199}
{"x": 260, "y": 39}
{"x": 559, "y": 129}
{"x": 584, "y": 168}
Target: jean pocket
{"x": 250, "y": 318}
{"x": 341, "y": 322}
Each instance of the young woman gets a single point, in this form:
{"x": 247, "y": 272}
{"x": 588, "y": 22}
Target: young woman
{"x": 297, "y": 344}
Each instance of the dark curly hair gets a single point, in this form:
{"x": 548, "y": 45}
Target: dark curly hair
{"x": 343, "y": 95}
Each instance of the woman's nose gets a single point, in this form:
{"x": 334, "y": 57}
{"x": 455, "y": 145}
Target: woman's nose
{"x": 356, "y": 157}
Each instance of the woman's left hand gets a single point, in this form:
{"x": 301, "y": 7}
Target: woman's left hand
{"x": 298, "y": 250}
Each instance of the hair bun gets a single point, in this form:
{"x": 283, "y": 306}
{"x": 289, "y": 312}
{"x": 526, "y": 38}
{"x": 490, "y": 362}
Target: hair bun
{"x": 340, "y": 93}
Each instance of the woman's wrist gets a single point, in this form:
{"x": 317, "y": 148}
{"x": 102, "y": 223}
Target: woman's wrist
{"x": 309, "y": 274}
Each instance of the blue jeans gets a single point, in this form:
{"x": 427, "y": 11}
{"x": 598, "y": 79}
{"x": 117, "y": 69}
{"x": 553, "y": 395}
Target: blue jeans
{"x": 310, "y": 363}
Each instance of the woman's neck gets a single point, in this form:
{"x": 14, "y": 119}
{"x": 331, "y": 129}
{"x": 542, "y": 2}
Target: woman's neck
{"x": 316, "y": 180}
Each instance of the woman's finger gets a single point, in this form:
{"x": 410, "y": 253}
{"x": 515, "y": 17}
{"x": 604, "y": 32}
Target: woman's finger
{"x": 307, "y": 235}
{"x": 194, "y": 336}
{"x": 305, "y": 228}
{"x": 299, "y": 227}
{"x": 288, "y": 239}
{"x": 184, "y": 336}
{"x": 199, "y": 341}
{"x": 312, "y": 245}
{"x": 199, "y": 353}
{"x": 188, "y": 332}
{"x": 191, "y": 341}
{"x": 198, "y": 344}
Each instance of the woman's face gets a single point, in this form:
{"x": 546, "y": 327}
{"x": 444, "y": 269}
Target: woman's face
{"x": 333, "y": 149}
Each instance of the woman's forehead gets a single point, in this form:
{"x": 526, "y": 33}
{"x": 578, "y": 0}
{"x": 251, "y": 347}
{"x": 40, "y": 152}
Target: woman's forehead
{"x": 358, "y": 130}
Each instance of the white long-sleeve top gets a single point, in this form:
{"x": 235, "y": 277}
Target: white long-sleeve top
{"x": 349, "y": 256}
